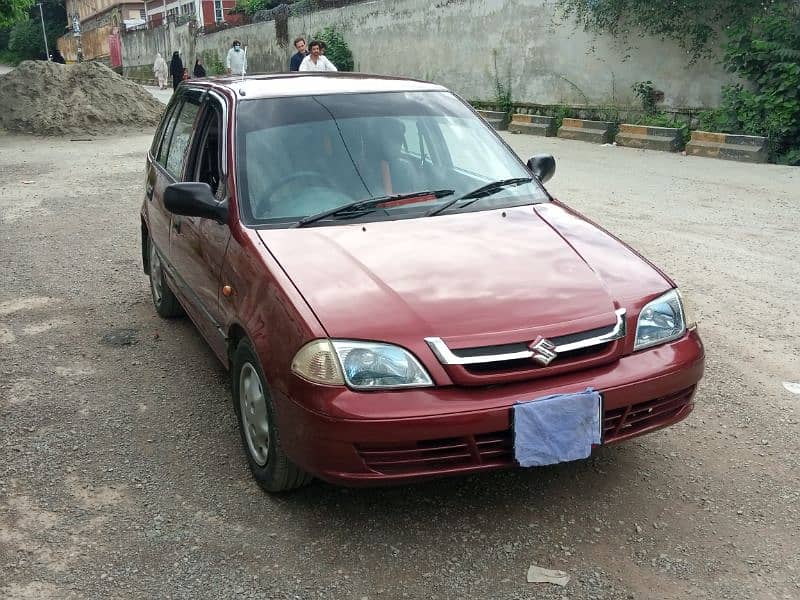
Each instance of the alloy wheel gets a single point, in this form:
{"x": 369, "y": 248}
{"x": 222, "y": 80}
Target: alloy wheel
{"x": 253, "y": 410}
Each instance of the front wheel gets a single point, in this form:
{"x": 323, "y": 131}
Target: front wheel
{"x": 271, "y": 468}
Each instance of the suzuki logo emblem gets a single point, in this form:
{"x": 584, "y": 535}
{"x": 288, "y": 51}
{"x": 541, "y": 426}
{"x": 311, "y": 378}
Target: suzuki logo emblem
{"x": 544, "y": 351}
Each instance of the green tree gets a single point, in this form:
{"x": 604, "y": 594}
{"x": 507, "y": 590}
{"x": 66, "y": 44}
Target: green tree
{"x": 12, "y": 11}
{"x": 765, "y": 53}
{"x": 26, "y": 41}
{"x": 694, "y": 24}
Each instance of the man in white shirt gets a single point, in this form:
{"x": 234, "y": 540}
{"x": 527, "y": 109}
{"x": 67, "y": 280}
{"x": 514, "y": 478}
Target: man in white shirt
{"x": 316, "y": 61}
{"x": 236, "y": 61}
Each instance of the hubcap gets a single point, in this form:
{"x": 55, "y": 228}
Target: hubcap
{"x": 155, "y": 275}
{"x": 253, "y": 408}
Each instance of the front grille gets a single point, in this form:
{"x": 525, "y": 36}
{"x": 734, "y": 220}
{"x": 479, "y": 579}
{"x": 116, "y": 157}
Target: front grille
{"x": 485, "y": 449}
{"x": 527, "y": 364}
{"x": 497, "y": 449}
{"x": 522, "y": 346}
{"x": 628, "y": 421}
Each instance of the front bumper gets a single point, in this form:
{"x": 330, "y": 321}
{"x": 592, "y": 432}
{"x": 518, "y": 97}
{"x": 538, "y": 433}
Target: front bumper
{"x": 401, "y": 436}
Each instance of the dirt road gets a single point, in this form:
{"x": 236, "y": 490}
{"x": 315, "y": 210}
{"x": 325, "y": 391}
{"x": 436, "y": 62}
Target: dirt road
{"x": 122, "y": 476}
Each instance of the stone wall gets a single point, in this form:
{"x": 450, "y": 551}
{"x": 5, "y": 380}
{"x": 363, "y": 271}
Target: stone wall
{"x": 458, "y": 42}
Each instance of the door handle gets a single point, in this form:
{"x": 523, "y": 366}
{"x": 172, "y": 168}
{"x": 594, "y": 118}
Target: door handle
{"x": 176, "y": 224}
{"x": 149, "y": 190}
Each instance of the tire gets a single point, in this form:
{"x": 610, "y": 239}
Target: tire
{"x": 164, "y": 300}
{"x": 261, "y": 441}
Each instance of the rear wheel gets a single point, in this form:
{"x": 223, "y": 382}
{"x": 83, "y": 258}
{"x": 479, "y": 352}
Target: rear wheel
{"x": 270, "y": 466}
{"x": 164, "y": 300}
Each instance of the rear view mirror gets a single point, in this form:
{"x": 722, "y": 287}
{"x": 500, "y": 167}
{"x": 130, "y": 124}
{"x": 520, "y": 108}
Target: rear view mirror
{"x": 543, "y": 166}
{"x": 194, "y": 199}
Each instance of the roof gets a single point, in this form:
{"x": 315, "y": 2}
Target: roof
{"x": 303, "y": 84}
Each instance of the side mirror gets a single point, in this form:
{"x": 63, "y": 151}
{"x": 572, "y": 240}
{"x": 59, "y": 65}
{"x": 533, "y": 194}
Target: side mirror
{"x": 543, "y": 166}
{"x": 194, "y": 199}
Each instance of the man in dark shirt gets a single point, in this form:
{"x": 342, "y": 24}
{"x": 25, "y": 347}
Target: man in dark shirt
{"x": 300, "y": 46}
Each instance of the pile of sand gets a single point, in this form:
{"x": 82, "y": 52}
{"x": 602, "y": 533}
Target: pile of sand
{"x": 48, "y": 98}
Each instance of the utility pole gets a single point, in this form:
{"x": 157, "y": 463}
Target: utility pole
{"x": 76, "y": 30}
{"x": 44, "y": 33}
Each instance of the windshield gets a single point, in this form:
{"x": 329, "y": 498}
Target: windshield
{"x": 302, "y": 158}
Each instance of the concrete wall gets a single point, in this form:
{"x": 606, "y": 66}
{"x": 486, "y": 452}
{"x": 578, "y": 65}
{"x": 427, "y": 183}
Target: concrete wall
{"x": 456, "y": 43}
{"x": 139, "y": 48}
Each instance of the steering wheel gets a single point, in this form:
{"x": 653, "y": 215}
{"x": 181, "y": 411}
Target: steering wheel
{"x": 313, "y": 178}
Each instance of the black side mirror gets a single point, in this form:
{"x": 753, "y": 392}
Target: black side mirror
{"x": 194, "y": 199}
{"x": 543, "y": 166}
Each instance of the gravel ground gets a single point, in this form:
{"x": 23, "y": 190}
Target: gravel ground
{"x": 122, "y": 475}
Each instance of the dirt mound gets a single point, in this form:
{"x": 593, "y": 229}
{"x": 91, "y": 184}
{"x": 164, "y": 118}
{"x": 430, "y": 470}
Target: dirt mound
{"x": 52, "y": 99}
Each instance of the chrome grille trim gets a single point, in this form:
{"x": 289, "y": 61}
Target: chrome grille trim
{"x": 447, "y": 357}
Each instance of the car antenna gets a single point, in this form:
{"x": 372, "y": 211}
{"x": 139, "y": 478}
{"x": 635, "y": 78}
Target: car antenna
{"x": 244, "y": 66}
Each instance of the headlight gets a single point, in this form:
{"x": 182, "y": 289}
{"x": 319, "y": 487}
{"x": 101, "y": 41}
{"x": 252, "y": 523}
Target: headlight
{"x": 660, "y": 321}
{"x": 362, "y": 365}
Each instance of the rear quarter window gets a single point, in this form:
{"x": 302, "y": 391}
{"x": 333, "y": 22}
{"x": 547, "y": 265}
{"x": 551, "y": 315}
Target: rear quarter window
{"x": 162, "y": 126}
{"x": 169, "y": 126}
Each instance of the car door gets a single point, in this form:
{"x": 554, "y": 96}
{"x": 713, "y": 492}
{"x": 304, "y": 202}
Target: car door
{"x": 197, "y": 246}
{"x": 158, "y": 217}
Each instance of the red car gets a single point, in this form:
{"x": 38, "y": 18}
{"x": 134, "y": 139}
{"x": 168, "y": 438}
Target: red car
{"x": 388, "y": 282}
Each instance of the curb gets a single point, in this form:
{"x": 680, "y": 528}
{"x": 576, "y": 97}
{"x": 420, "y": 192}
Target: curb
{"x": 742, "y": 148}
{"x": 532, "y": 125}
{"x": 666, "y": 139}
{"x": 495, "y": 118}
{"x": 598, "y": 132}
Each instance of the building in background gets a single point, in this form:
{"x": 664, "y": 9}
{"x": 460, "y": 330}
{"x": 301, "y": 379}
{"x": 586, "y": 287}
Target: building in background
{"x": 205, "y": 12}
{"x": 94, "y": 27}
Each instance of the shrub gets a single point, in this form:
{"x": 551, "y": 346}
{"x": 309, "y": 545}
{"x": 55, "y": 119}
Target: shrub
{"x": 214, "y": 66}
{"x": 661, "y": 119}
{"x": 336, "y": 49}
{"x": 250, "y": 7}
{"x": 647, "y": 95}
{"x": 766, "y": 53}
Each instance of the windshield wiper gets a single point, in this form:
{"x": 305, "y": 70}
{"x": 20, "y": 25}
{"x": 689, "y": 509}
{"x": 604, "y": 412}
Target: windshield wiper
{"x": 372, "y": 203}
{"x": 481, "y": 192}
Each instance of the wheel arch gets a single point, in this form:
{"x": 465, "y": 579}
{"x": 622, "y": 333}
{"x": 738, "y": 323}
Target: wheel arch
{"x": 236, "y": 333}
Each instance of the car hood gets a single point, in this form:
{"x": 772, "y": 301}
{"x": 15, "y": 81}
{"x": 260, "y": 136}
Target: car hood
{"x": 475, "y": 278}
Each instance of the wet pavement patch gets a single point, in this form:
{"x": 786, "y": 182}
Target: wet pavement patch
{"x": 120, "y": 337}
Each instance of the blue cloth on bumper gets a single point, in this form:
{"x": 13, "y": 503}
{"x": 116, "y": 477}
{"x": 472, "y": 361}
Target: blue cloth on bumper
{"x": 556, "y": 428}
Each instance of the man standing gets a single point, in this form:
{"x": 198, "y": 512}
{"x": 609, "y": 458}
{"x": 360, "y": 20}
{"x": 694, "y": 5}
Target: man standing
{"x": 300, "y": 46}
{"x": 315, "y": 61}
{"x": 236, "y": 62}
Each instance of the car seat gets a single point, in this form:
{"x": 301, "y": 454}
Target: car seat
{"x": 388, "y": 171}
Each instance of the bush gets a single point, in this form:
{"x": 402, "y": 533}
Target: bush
{"x": 9, "y": 58}
{"x": 214, "y": 66}
{"x": 250, "y": 7}
{"x": 766, "y": 54}
{"x": 661, "y": 119}
{"x": 336, "y": 49}
{"x": 647, "y": 95}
